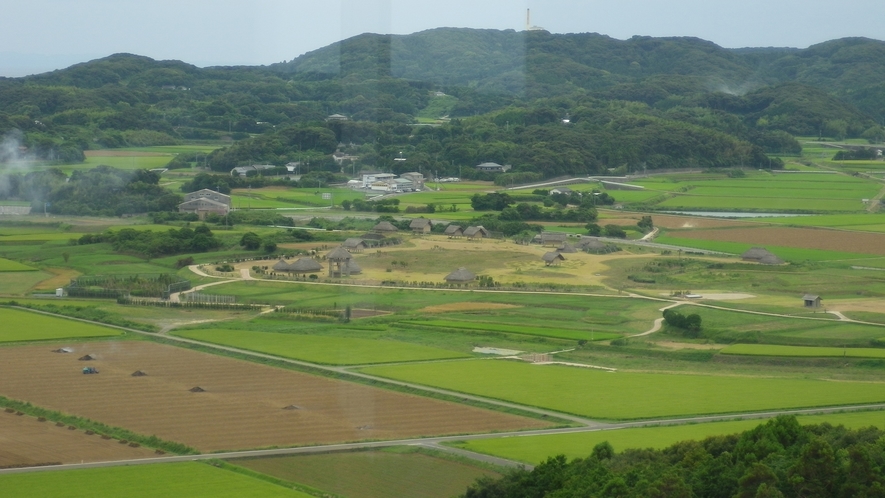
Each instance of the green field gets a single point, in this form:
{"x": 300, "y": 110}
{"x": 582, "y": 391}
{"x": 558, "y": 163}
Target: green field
{"x": 9, "y": 265}
{"x": 547, "y": 331}
{"x": 398, "y": 472}
{"x": 321, "y": 349}
{"x": 535, "y": 449}
{"x": 189, "y": 479}
{"x": 803, "y": 351}
{"x": 762, "y": 191}
{"x": 21, "y": 325}
{"x": 785, "y": 253}
{"x": 629, "y": 395}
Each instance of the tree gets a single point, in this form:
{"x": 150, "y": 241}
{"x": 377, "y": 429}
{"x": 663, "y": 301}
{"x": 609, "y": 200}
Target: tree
{"x": 646, "y": 224}
{"x": 615, "y": 231}
{"x": 250, "y": 241}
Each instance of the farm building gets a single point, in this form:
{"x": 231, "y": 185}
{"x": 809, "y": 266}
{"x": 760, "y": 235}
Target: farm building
{"x": 490, "y": 167}
{"x": 339, "y": 260}
{"x": 208, "y": 194}
{"x": 551, "y": 238}
{"x": 566, "y": 248}
{"x": 302, "y": 265}
{"x": 761, "y": 255}
{"x": 811, "y": 301}
{"x": 461, "y": 276}
{"x": 354, "y": 244}
{"x": 385, "y": 227}
{"x": 552, "y": 258}
{"x": 421, "y": 225}
{"x": 454, "y": 231}
{"x": 476, "y": 232}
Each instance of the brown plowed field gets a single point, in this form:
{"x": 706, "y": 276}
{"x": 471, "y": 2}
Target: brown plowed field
{"x": 242, "y": 406}
{"x": 676, "y": 222}
{"x": 806, "y": 238}
{"x": 26, "y": 441}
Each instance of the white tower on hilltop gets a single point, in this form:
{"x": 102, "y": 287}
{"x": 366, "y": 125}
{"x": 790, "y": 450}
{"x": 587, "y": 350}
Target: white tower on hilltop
{"x": 528, "y": 22}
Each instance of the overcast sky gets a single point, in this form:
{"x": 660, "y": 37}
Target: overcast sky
{"x": 42, "y": 35}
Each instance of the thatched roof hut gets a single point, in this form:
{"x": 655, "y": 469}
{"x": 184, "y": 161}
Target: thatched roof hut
{"x": 553, "y": 238}
{"x": 421, "y": 225}
{"x": 476, "y": 232}
{"x": 755, "y": 254}
{"x": 354, "y": 244}
{"x": 460, "y": 276}
{"x": 566, "y": 248}
{"x": 372, "y": 236}
{"x": 770, "y": 259}
{"x": 302, "y": 265}
{"x": 385, "y": 226}
{"x": 353, "y": 268}
{"x": 454, "y": 231}
{"x": 339, "y": 254}
{"x": 552, "y": 258}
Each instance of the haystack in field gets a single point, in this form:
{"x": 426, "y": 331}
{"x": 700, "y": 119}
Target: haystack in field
{"x": 197, "y": 389}
{"x": 138, "y": 373}
{"x": 88, "y": 357}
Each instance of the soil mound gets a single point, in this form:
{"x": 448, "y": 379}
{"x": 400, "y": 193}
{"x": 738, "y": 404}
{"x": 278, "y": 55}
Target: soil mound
{"x": 291, "y": 407}
{"x": 138, "y": 373}
{"x": 197, "y": 389}
{"x": 88, "y": 357}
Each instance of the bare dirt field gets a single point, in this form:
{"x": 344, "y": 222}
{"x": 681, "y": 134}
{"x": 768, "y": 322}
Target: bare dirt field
{"x": 242, "y": 404}
{"x": 677, "y": 222}
{"x": 26, "y": 441}
{"x": 806, "y": 238}
{"x": 468, "y": 306}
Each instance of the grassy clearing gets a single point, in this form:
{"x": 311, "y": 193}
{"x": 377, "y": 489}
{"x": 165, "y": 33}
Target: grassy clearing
{"x": 190, "y": 479}
{"x": 548, "y": 331}
{"x": 21, "y": 325}
{"x": 629, "y": 395}
{"x": 400, "y": 472}
{"x": 321, "y": 349}
{"x": 535, "y": 449}
{"x": 802, "y": 351}
{"x": 7, "y": 265}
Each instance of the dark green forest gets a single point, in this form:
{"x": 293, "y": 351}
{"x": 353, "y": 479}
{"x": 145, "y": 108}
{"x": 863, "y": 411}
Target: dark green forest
{"x": 505, "y": 96}
{"x": 779, "y": 458}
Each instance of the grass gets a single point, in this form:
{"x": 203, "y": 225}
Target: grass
{"x": 785, "y": 253}
{"x": 21, "y": 325}
{"x": 802, "y": 351}
{"x": 7, "y": 265}
{"x": 190, "y": 479}
{"x": 535, "y": 449}
{"x": 321, "y": 349}
{"x": 400, "y": 472}
{"x": 557, "y": 332}
{"x": 629, "y": 395}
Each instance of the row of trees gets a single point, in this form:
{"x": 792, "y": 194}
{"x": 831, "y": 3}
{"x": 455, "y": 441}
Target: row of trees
{"x": 152, "y": 244}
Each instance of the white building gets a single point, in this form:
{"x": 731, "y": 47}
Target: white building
{"x": 370, "y": 178}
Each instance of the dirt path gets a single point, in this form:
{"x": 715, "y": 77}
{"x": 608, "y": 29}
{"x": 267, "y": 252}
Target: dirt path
{"x": 874, "y": 203}
{"x": 658, "y": 323}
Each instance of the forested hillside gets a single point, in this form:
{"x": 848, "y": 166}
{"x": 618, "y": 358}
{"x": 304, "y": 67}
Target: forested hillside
{"x": 448, "y": 99}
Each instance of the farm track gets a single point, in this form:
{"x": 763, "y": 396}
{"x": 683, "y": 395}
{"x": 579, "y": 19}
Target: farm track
{"x": 587, "y": 425}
